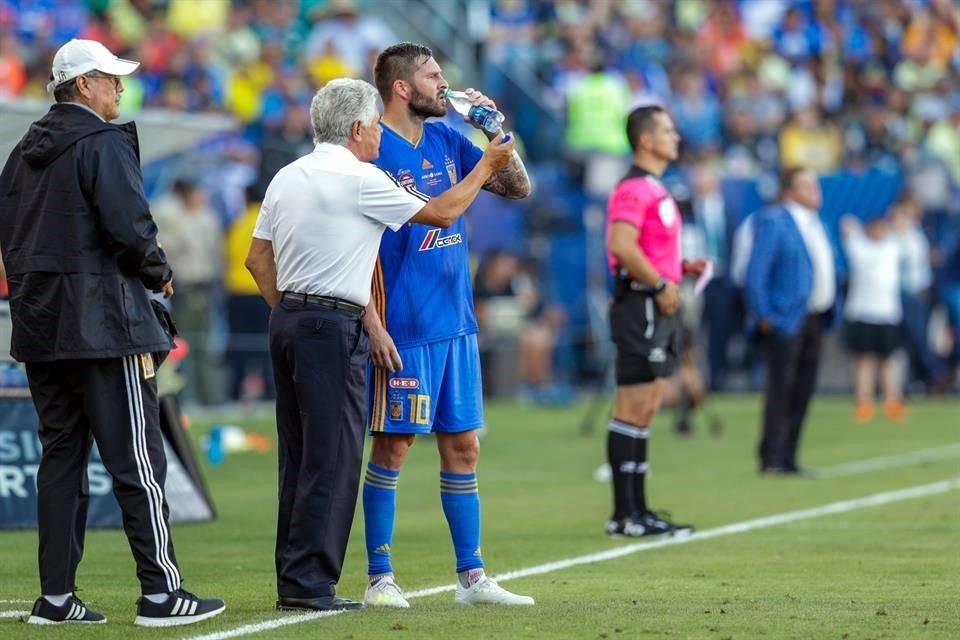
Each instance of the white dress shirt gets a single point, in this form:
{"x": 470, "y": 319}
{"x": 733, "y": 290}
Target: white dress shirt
{"x": 325, "y": 214}
{"x": 824, "y": 290}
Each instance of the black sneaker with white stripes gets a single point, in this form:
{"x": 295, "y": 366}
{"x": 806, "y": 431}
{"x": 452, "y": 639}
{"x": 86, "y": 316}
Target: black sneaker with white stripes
{"x": 72, "y": 611}
{"x": 655, "y": 523}
{"x": 181, "y": 607}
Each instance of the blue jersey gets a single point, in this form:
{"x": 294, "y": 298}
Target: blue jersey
{"x": 422, "y": 282}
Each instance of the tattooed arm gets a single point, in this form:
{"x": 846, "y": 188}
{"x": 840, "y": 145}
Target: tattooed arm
{"x": 510, "y": 182}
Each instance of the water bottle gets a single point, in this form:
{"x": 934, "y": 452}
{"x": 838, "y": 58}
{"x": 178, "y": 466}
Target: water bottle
{"x": 215, "y": 446}
{"x": 490, "y": 119}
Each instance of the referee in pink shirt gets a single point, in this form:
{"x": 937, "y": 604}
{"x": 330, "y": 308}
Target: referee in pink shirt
{"x": 643, "y": 252}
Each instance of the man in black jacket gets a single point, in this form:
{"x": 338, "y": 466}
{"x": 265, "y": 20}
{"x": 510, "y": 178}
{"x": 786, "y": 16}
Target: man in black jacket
{"x": 81, "y": 254}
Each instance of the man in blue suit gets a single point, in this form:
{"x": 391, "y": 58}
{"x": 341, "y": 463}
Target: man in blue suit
{"x": 790, "y": 292}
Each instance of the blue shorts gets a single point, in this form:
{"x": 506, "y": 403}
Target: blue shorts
{"x": 439, "y": 389}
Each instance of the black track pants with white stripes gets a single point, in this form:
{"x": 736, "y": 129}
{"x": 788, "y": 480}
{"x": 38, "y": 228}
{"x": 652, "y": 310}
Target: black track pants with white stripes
{"x": 112, "y": 401}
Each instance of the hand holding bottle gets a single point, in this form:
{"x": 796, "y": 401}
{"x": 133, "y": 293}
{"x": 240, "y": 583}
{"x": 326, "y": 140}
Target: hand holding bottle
{"x": 499, "y": 152}
{"x": 476, "y": 108}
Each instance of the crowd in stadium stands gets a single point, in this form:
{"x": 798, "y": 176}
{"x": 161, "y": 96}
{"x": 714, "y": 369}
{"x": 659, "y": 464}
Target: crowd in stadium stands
{"x": 754, "y": 85}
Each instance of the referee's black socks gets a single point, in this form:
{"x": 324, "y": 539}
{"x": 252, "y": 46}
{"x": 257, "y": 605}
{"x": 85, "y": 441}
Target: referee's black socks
{"x": 626, "y": 445}
{"x": 640, "y": 472}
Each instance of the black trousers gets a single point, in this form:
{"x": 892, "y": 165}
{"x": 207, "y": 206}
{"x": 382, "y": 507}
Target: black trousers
{"x": 319, "y": 363}
{"x": 112, "y": 401}
{"x": 792, "y": 363}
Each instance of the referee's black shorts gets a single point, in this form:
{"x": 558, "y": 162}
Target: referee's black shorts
{"x": 647, "y": 341}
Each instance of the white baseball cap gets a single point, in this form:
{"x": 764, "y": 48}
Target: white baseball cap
{"x": 78, "y": 57}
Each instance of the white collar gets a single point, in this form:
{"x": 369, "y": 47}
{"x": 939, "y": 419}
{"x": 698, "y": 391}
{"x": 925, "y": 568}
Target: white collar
{"x": 798, "y": 210}
{"x": 336, "y": 150}
{"x": 83, "y": 106}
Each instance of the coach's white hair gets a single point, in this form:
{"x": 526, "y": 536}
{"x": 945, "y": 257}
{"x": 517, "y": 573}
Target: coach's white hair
{"x": 338, "y": 105}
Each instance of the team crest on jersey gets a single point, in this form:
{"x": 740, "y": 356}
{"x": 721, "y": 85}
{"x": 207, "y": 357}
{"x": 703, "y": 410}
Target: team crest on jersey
{"x": 405, "y": 178}
{"x": 404, "y": 383}
{"x": 396, "y": 410}
{"x": 451, "y": 170}
{"x": 668, "y": 212}
{"x": 433, "y": 240}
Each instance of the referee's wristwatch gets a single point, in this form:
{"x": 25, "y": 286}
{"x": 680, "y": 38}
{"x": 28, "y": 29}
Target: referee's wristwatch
{"x": 660, "y": 286}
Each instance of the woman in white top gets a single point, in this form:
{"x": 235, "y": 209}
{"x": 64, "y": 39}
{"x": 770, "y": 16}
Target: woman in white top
{"x": 873, "y": 313}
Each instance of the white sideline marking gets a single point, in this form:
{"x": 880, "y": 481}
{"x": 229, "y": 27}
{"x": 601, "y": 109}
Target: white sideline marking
{"x": 16, "y": 601}
{"x": 13, "y": 614}
{"x": 843, "y": 506}
{"x": 888, "y": 462}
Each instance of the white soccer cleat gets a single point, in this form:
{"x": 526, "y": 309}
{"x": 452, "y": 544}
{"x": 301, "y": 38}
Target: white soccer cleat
{"x": 487, "y": 591}
{"x": 385, "y": 593}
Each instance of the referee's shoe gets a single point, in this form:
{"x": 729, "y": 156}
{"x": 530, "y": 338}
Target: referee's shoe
{"x": 73, "y": 611}
{"x": 181, "y": 607}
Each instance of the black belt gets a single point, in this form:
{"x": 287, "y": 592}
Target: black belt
{"x": 327, "y": 302}
{"x": 623, "y": 286}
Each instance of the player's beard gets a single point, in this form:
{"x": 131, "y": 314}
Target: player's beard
{"x": 425, "y": 106}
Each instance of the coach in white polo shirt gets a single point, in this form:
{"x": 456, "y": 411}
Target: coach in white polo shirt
{"x": 312, "y": 255}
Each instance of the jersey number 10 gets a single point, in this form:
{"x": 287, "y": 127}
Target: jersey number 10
{"x": 419, "y": 408}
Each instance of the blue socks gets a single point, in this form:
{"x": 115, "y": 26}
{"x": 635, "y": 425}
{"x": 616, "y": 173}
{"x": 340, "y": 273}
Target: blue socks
{"x": 461, "y": 506}
{"x": 379, "y": 512}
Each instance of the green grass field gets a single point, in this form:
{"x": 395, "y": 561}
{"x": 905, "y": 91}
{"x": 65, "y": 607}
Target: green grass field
{"x": 887, "y": 571}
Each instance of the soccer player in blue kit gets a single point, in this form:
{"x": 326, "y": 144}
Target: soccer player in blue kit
{"x": 423, "y": 330}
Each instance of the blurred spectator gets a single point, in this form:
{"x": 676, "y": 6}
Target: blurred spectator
{"x": 697, "y": 113}
{"x": 517, "y": 330}
{"x": 511, "y": 41}
{"x": 723, "y": 36}
{"x": 595, "y": 107}
{"x": 284, "y": 142}
{"x": 237, "y": 44}
{"x": 873, "y": 140}
{"x": 948, "y": 258}
{"x": 353, "y": 33}
{"x": 13, "y": 73}
{"x": 943, "y": 138}
{"x": 328, "y": 64}
{"x": 646, "y": 41}
{"x": 248, "y": 358}
{"x": 192, "y": 238}
{"x": 191, "y": 18}
{"x": 797, "y": 39}
{"x": 873, "y": 314}
{"x": 808, "y": 141}
{"x": 747, "y": 150}
{"x": 720, "y": 310}
{"x": 916, "y": 280}
{"x": 931, "y": 40}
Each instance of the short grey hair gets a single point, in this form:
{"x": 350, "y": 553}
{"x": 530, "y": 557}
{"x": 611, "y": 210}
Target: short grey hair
{"x": 338, "y": 105}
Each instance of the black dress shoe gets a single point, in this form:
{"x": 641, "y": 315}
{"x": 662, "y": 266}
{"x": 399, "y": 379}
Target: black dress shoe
{"x": 774, "y": 471}
{"x": 320, "y": 603}
{"x": 802, "y": 472}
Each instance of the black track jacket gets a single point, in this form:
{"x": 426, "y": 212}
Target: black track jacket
{"x": 78, "y": 241}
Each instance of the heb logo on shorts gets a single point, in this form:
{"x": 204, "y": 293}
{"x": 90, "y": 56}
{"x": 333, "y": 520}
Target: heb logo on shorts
{"x": 404, "y": 383}
{"x": 432, "y": 241}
